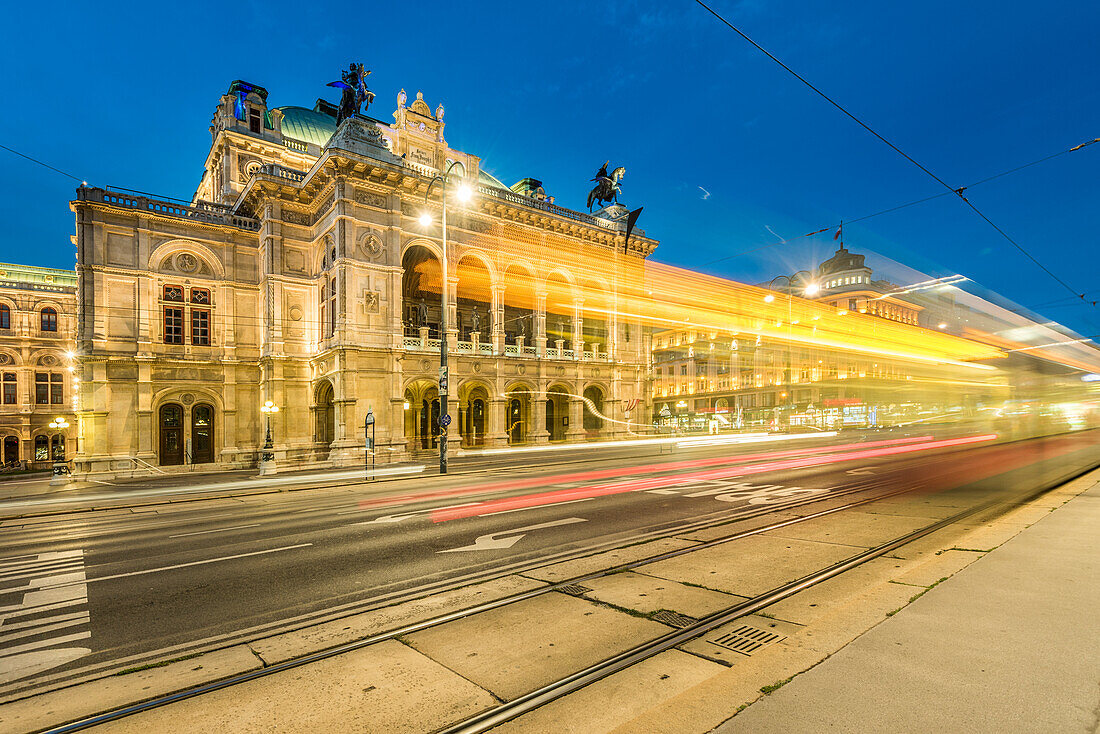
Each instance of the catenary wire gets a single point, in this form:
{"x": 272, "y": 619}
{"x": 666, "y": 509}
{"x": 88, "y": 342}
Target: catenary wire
{"x": 865, "y": 126}
{"x": 47, "y": 165}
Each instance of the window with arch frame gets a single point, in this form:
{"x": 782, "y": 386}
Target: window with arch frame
{"x": 5, "y": 316}
{"x": 48, "y": 319}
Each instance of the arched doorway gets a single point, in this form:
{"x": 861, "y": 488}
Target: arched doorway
{"x": 474, "y": 300}
{"x": 593, "y": 411}
{"x": 202, "y": 434}
{"x": 473, "y": 410}
{"x": 557, "y": 411}
{"x": 422, "y": 415}
{"x": 421, "y": 291}
{"x": 324, "y": 431}
{"x": 170, "y": 423}
{"x": 519, "y": 305}
{"x": 11, "y": 450}
{"x": 518, "y": 407}
{"x": 559, "y": 311}
{"x": 594, "y": 329}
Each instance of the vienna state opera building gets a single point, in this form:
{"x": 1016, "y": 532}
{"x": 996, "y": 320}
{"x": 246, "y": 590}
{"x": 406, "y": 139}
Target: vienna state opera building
{"x": 322, "y": 251}
{"x": 308, "y": 271}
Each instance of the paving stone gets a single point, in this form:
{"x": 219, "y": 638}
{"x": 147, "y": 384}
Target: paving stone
{"x": 819, "y": 600}
{"x": 385, "y": 688}
{"x": 518, "y": 648}
{"x": 87, "y": 699}
{"x": 337, "y": 632}
{"x": 603, "y": 705}
{"x": 947, "y": 564}
{"x": 852, "y": 528}
{"x": 602, "y": 561}
{"x": 752, "y": 565}
{"x": 647, "y": 594}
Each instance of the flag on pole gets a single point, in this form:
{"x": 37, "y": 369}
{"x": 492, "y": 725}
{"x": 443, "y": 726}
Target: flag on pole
{"x": 631, "y": 220}
{"x": 838, "y": 231}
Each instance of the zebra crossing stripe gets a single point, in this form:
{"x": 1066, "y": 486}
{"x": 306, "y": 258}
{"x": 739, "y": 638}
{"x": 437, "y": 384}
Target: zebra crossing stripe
{"x": 53, "y": 581}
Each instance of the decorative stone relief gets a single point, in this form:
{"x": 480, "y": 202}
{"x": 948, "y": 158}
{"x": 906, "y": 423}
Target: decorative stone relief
{"x": 186, "y": 262}
{"x": 292, "y": 217}
{"x": 371, "y": 301}
{"x": 477, "y": 366}
{"x": 522, "y": 369}
{"x": 187, "y": 398}
{"x": 295, "y": 313}
{"x": 4, "y": 358}
{"x": 371, "y": 245}
{"x": 369, "y": 198}
{"x": 425, "y": 364}
{"x": 49, "y": 360}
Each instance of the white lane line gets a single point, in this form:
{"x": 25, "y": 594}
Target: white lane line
{"x": 218, "y": 530}
{"x": 45, "y": 643}
{"x": 43, "y": 626}
{"x": 536, "y": 507}
{"x": 30, "y": 561}
{"x": 192, "y": 563}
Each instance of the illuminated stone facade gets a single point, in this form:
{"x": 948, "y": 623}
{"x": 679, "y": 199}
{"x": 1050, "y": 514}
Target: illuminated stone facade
{"x": 37, "y": 324}
{"x": 300, "y": 273}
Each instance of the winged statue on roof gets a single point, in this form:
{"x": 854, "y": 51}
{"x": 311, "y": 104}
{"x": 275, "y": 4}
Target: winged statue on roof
{"x": 353, "y": 91}
{"x": 607, "y": 187}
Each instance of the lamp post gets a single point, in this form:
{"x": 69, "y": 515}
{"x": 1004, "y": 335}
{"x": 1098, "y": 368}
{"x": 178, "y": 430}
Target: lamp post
{"x": 60, "y": 468}
{"x": 810, "y": 289}
{"x": 464, "y": 195}
{"x": 267, "y": 458}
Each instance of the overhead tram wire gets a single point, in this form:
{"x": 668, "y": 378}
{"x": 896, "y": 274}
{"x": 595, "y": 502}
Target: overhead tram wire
{"x": 958, "y": 191}
{"x": 908, "y": 204}
{"x": 46, "y": 165}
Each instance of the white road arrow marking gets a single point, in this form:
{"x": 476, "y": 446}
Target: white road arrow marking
{"x": 861, "y": 470}
{"x": 406, "y": 515}
{"x": 493, "y": 541}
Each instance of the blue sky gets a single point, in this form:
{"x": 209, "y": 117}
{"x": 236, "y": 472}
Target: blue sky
{"x": 122, "y": 94}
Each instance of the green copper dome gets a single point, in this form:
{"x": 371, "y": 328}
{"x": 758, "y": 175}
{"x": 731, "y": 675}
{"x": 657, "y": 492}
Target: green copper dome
{"x": 307, "y": 125}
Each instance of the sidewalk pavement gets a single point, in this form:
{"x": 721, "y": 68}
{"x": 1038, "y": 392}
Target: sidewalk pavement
{"x": 1009, "y": 644}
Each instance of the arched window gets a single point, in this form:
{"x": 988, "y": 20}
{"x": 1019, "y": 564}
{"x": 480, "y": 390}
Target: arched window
{"x": 49, "y": 319}
{"x": 41, "y": 448}
{"x": 5, "y": 316}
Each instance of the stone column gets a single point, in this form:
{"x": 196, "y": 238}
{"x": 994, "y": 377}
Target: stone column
{"x": 578, "y": 328}
{"x": 496, "y": 434}
{"x": 539, "y": 434}
{"x": 540, "y": 323}
{"x": 497, "y": 328}
{"x": 576, "y": 420}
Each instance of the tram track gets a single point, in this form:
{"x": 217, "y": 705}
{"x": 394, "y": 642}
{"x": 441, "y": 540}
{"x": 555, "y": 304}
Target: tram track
{"x": 508, "y": 600}
{"x": 562, "y": 687}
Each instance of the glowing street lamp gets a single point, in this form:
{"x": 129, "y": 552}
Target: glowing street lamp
{"x": 812, "y": 290}
{"x": 60, "y": 468}
{"x": 267, "y": 458}
{"x": 463, "y": 193}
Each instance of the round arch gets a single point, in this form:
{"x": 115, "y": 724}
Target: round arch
{"x": 421, "y": 289}
{"x": 473, "y": 297}
{"x": 165, "y": 250}
{"x": 559, "y": 395}
{"x": 324, "y": 413}
{"x": 473, "y": 411}
{"x": 187, "y": 425}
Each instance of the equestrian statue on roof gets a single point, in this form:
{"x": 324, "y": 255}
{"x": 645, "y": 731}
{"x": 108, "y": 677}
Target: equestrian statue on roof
{"x": 607, "y": 187}
{"x": 354, "y": 92}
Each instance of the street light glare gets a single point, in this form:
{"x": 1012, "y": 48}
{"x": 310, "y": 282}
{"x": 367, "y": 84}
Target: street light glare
{"x": 425, "y": 219}
{"x": 812, "y": 289}
{"x": 464, "y": 193}
{"x": 769, "y": 298}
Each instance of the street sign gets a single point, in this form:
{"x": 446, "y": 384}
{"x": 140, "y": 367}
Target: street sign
{"x": 665, "y": 412}
{"x": 445, "y": 420}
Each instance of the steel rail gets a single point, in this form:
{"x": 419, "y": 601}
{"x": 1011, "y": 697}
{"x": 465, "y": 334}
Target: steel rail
{"x": 528, "y": 702}
{"x": 380, "y": 601}
{"x": 495, "y": 604}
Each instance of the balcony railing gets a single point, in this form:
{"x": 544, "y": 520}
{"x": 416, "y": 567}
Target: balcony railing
{"x": 203, "y": 213}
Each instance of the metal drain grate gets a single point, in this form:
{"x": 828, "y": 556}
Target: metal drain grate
{"x": 574, "y": 589}
{"x": 674, "y": 619}
{"x": 746, "y": 640}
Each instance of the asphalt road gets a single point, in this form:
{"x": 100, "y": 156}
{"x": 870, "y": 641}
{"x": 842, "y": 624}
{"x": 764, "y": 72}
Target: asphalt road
{"x": 98, "y": 587}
